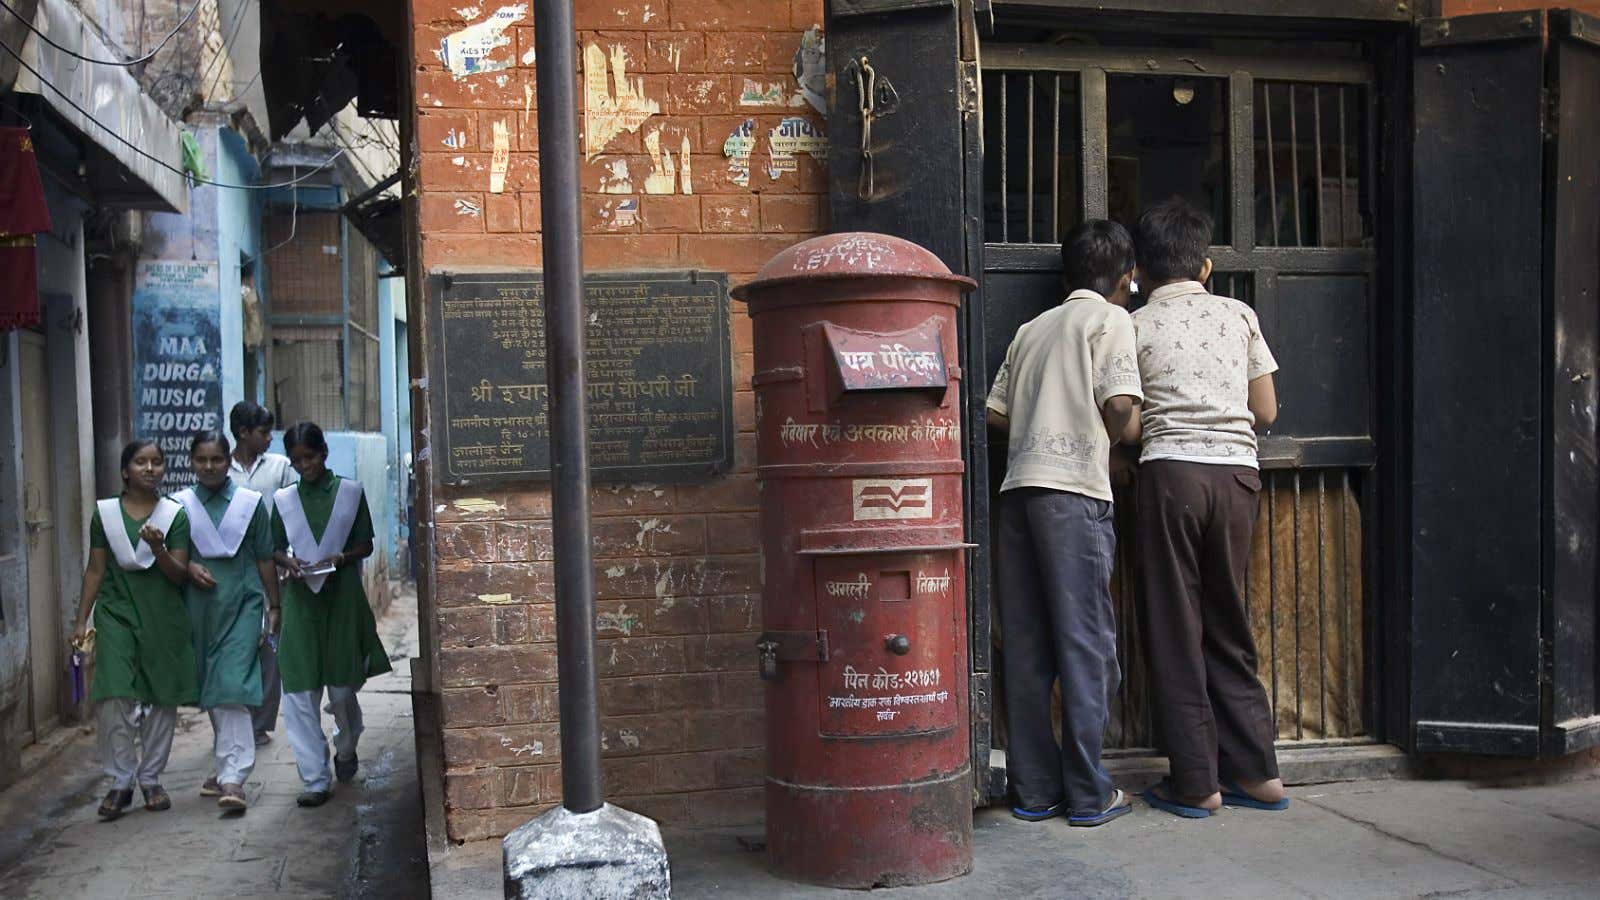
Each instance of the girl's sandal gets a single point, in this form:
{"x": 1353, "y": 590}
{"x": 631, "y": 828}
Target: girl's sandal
{"x": 155, "y": 798}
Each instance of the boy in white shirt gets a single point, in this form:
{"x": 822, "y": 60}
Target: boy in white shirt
{"x": 1067, "y": 390}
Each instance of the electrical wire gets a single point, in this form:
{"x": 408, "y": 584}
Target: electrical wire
{"x": 158, "y": 161}
{"x": 294, "y": 221}
{"x": 104, "y": 62}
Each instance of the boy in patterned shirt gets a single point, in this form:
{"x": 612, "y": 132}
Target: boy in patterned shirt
{"x": 1207, "y": 377}
{"x": 1066, "y": 392}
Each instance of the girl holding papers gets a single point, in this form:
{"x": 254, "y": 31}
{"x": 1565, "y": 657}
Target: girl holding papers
{"x": 144, "y": 659}
{"x": 232, "y": 583}
{"x": 322, "y": 529}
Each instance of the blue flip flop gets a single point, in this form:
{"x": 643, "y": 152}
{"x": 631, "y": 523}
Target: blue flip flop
{"x": 1233, "y": 795}
{"x": 1038, "y": 813}
{"x": 1120, "y": 806}
{"x": 1172, "y": 806}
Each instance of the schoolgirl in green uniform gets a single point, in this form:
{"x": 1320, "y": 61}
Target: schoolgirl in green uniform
{"x": 233, "y": 585}
{"x": 144, "y": 658}
{"x": 322, "y": 529}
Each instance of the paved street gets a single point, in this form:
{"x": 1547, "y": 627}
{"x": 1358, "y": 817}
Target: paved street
{"x": 1376, "y": 839}
{"x": 367, "y": 842}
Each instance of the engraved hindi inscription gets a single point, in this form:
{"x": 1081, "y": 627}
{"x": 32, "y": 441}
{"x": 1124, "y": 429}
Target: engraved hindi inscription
{"x": 658, "y": 381}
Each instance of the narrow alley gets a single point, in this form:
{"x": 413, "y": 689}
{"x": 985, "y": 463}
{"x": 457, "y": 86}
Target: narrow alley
{"x": 367, "y": 842}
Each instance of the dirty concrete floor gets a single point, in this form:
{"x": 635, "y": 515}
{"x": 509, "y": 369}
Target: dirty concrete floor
{"x": 1376, "y": 839}
{"x": 368, "y": 841}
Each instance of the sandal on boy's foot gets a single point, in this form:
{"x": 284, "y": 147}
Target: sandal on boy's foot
{"x": 155, "y": 797}
{"x": 1119, "y": 806}
{"x": 211, "y": 788}
{"x": 313, "y": 798}
{"x": 1172, "y": 806}
{"x": 263, "y": 738}
{"x": 345, "y": 769}
{"x": 115, "y": 802}
{"x": 1233, "y": 795}
{"x": 232, "y": 798}
{"x": 1038, "y": 813}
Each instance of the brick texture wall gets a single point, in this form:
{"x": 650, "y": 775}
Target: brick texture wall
{"x": 677, "y": 568}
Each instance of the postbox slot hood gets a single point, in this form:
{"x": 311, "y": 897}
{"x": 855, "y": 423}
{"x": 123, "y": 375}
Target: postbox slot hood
{"x": 898, "y": 539}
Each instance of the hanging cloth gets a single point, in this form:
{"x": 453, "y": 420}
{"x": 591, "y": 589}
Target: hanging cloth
{"x": 23, "y": 214}
{"x": 298, "y": 529}
{"x": 220, "y": 541}
{"x": 130, "y": 558}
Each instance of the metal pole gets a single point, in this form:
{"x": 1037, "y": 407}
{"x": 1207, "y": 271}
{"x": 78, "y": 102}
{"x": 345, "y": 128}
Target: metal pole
{"x": 563, "y": 333}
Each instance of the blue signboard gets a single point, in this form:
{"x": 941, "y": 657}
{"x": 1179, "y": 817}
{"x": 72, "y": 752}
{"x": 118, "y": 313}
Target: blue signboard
{"x": 177, "y": 382}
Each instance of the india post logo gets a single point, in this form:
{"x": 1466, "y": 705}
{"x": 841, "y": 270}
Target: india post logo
{"x": 892, "y": 498}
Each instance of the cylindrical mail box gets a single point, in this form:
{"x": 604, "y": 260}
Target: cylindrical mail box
{"x": 858, "y": 452}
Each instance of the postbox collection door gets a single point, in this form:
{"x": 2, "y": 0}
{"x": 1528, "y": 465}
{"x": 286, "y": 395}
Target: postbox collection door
{"x": 890, "y": 620}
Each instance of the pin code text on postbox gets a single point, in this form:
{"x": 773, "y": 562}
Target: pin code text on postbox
{"x": 864, "y": 652}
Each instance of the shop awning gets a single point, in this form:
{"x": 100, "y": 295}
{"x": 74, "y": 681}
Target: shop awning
{"x": 106, "y": 105}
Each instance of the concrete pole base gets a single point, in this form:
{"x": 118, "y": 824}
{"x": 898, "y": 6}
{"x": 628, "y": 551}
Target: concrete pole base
{"x": 608, "y": 854}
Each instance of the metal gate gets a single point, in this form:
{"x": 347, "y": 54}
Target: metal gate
{"x": 1281, "y": 149}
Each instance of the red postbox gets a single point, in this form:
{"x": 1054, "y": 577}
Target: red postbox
{"x": 858, "y": 452}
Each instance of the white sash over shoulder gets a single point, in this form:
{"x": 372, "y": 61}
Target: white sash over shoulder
{"x": 130, "y": 558}
{"x": 220, "y": 541}
{"x": 298, "y": 529}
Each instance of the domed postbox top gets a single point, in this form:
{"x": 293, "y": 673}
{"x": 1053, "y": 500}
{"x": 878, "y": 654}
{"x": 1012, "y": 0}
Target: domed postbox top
{"x": 851, "y": 254}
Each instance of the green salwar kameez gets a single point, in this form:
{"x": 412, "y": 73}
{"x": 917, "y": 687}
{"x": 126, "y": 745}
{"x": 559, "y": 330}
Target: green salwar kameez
{"x": 143, "y": 649}
{"x": 227, "y": 619}
{"x": 329, "y": 638}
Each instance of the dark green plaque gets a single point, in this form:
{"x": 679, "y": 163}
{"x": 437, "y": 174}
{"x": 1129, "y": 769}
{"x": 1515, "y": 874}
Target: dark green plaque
{"x": 659, "y": 379}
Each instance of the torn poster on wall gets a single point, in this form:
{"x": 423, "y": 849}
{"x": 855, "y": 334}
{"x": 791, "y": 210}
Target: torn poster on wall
{"x": 500, "y": 161}
{"x": 756, "y": 93}
{"x": 607, "y": 114}
{"x": 810, "y": 69}
{"x": 737, "y": 148}
{"x": 627, "y": 213}
{"x": 468, "y": 51}
{"x": 666, "y": 172}
{"x": 792, "y": 136}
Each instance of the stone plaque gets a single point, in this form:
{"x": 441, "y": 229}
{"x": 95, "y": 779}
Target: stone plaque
{"x": 659, "y": 379}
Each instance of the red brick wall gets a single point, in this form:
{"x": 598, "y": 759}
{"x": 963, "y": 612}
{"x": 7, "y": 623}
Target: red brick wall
{"x": 676, "y": 567}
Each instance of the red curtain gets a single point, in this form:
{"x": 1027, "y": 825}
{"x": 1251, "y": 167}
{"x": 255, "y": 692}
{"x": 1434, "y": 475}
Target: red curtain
{"x": 23, "y": 214}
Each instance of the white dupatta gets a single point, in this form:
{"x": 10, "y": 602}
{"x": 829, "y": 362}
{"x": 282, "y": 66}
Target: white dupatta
{"x": 222, "y": 540}
{"x": 298, "y": 529}
{"x": 129, "y": 557}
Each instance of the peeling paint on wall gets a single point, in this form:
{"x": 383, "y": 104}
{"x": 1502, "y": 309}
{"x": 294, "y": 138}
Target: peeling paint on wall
{"x": 615, "y": 179}
{"x": 792, "y": 136}
{"x": 737, "y": 148}
{"x": 475, "y": 506}
{"x": 466, "y": 52}
{"x": 614, "y": 104}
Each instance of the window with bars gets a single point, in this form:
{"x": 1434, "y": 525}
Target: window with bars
{"x": 1308, "y": 139}
{"x": 322, "y": 301}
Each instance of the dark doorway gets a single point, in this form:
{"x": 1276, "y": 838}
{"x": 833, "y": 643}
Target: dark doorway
{"x": 1274, "y": 141}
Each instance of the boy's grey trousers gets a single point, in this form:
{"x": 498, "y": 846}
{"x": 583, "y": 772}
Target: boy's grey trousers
{"x": 1055, "y": 554}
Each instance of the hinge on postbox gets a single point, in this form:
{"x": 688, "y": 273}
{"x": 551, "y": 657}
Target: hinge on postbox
{"x": 790, "y": 646}
{"x": 875, "y": 98}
